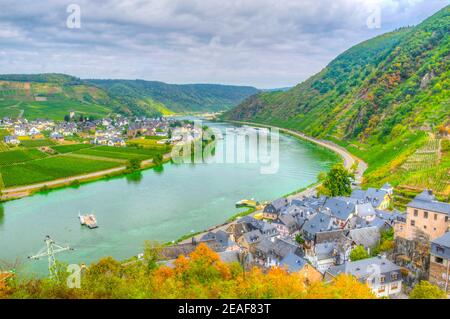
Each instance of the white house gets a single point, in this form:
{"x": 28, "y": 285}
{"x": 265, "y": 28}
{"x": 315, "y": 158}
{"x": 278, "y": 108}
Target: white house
{"x": 382, "y": 275}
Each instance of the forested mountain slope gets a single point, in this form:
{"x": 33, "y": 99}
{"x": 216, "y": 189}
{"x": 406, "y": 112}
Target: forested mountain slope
{"x": 387, "y": 100}
{"x": 54, "y": 95}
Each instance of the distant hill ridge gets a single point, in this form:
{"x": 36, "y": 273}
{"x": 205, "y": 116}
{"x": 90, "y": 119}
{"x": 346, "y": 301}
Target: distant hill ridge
{"x": 53, "y": 93}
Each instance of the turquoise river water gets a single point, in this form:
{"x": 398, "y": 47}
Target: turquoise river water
{"x": 156, "y": 204}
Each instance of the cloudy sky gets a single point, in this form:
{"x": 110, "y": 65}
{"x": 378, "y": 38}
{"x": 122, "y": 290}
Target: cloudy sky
{"x": 264, "y": 43}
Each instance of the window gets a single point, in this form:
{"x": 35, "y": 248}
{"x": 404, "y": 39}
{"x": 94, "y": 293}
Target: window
{"x": 382, "y": 289}
{"x": 394, "y": 276}
{"x": 446, "y": 218}
{"x": 394, "y": 286}
{"x": 425, "y": 214}
{"x": 440, "y": 250}
{"x": 439, "y": 260}
{"x": 413, "y": 223}
{"x": 382, "y": 279}
{"x": 435, "y": 216}
{"x": 424, "y": 226}
{"x": 416, "y": 212}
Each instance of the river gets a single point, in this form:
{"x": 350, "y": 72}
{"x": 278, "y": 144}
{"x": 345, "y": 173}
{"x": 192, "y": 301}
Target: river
{"x": 156, "y": 204}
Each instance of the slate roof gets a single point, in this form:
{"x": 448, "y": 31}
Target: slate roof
{"x": 426, "y": 201}
{"x": 441, "y": 246}
{"x": 373, "y": 195}
{"x": 293, "y": 262}
{"x": 364, "y": 268}
{"x": 318, "y": 223}
{"x": 364, "y": 210}
{"x": 324, "y": 250}
{"x": 280, "y": 203}
{"x": 253, "y": 236}
{"x": 367, "y": 236}
{"x": 340, "y": 208}
{"x": 220, "y": 237}
{"x": 287, "y": 220}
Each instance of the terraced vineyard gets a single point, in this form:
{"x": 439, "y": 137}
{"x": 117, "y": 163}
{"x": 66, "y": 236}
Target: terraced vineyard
{"x": 20, "y": 156}
{"x": 36, "y": 143}
{"x": 62, "y": 149}
{"x": 121, "y": 152}
{"x": 25, "y": 166}
{"x": 424, "y": 157}
{"x": 50, "y": 168}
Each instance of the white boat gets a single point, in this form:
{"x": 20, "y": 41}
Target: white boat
{"x": 88, "y": 220}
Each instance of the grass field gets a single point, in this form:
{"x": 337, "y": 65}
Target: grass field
{"x": 50, "y": 168}
{"x": 19, "y": 156}
{"x": 62, "y": 149}
{"x": 36, "y": 143}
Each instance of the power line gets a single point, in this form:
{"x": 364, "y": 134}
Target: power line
{"x": 49, "y": 250}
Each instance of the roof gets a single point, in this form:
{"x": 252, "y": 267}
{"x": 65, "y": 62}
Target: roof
{"x": 363, "y": 269}
{"x": 318, "y": 223}
{"x": 426, "y": 201}
{"x": 367, "y": 236}
{"x": 325, "y": 250}
{"x": 293, "y": 262}
{"x": 364, "y": 210}
{"x": 441, "y": 246}
{"x": 373, "y": 195}
{"x": 444, "y": 240}
{"x": 287, "y": 220}
{"x": 280, "y": 203}
{"x": 253, "y": 236}
{"x": 276, "y": 206}
{"x": 340, "y": 208}
{"x": 221, "y": 237}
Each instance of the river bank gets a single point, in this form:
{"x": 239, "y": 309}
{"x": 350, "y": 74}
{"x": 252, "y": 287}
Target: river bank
{"x": 13, "y": 193}
{"x": 348, "y": 161}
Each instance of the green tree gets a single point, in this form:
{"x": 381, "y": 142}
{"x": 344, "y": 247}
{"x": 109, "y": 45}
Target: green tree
{"x": 152, "y": 253}
{"x": 358, "y": 253}
{"x": 337, "y": 182}
{"x": 299, "y": 239}
{"x": 134, "y": 164}
{"x": 158, "y": 159}
{"x": 426, "y": 290}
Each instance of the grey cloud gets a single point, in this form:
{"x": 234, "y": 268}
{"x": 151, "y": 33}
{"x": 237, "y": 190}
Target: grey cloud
{"x": 266, "y": 43}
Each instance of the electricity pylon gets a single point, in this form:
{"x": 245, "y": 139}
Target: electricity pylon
{"x": 49, "y": 250}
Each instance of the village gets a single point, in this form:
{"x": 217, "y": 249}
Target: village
{"x": 116, "y": 130}
{"x": 322, "y": 237}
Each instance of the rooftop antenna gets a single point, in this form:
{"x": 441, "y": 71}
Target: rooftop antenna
{"x": 49, "y": 250}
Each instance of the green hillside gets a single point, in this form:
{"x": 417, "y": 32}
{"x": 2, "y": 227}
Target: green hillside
{"x": 178, "y": 98}
{"x": 54, "y": 95}
{"x": 386, "y": 100}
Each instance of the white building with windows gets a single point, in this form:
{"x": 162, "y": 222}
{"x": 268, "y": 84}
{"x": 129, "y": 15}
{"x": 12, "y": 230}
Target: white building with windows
{"x": 382, "y": 275}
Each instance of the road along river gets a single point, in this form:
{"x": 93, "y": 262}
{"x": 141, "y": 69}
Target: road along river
{"x": 156, "y": 204}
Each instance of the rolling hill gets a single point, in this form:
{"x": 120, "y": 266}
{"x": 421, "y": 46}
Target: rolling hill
{"x": 178, "y": 98}
{"x": 387, "y": 100}
{"x": 54, "y": 95}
